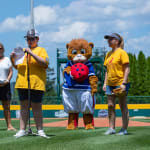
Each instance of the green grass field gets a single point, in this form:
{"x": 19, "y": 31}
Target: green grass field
{"x": 61, "y": 139}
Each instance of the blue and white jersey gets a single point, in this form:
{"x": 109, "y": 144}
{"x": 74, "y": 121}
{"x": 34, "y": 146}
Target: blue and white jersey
{"x": 72, "y": 84}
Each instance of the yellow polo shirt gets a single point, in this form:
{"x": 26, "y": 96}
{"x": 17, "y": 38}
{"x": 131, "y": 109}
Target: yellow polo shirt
{"x": 114, "y": 62}
{"x": 37, "y": 73}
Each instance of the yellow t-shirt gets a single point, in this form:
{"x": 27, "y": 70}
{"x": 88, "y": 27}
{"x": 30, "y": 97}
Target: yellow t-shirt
{"x": 37, "y": 73}
{"x": 114, "y": 62}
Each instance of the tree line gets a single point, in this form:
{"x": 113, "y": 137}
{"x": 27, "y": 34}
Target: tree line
{"x": 139, "y": 75}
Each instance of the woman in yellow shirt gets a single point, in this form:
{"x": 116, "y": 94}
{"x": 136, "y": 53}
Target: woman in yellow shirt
{"x": 116, "y": 76}
{"x": 37, "y": 62}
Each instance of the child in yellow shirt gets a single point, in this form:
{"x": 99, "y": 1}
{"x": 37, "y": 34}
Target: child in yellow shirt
{"x": 37, "y": 62}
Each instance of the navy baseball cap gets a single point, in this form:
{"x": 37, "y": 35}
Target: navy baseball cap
{"x": 32, "y": 33}
{"x": 113, "y": 35}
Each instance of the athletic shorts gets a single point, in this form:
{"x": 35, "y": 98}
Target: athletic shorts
{"x": 76, "y": 101}
{"x": 5, "y": 92}
{"x": 109, "y": 89}
{"x": 35, "y": 95}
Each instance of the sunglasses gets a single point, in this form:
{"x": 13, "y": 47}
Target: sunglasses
{"x": 31, "y": 39}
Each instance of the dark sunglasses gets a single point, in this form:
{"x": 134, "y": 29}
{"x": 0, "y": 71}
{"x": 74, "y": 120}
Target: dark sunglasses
{"x": 112, "y": 38}
{"x": 31, "y": 39}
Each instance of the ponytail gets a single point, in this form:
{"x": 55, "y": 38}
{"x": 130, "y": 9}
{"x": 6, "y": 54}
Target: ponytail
{"x": 121, "y": 43}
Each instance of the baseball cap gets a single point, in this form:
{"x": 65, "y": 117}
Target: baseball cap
{"x": 32, "y": 33}
{"x": 113, "y": 35}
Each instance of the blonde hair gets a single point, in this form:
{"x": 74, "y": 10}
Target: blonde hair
{"x": 121, "y": 43}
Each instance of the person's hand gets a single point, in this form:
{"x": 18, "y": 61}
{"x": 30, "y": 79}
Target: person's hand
{"x": 4, "y": 83}
{"x": 104, "y": 87}
{"x": 28, "y": 50}
{"x": 123, "y": 87}
{"x": 13, "y": 55}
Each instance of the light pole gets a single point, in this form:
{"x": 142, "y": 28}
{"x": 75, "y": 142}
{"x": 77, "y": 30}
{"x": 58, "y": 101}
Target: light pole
{"x": 32, "y": 15}
{"x": 28, "y": 74}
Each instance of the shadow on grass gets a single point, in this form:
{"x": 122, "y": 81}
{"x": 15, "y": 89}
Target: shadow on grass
{"x": 50, "y": 135}
{"x": 3, "y": 129}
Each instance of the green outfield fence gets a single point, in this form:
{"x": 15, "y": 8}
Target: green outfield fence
{"x": 52, "y": 107}
{"x": 99, "y": 100}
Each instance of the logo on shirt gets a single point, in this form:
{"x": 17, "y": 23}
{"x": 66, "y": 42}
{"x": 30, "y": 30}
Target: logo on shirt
{"x": 111, "y": 60}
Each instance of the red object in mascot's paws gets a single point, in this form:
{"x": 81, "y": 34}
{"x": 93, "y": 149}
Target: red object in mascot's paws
{"x": 79, "y": 72}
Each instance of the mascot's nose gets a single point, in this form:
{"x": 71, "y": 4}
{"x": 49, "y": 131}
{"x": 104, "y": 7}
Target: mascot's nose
{"x": 79, "y": 55}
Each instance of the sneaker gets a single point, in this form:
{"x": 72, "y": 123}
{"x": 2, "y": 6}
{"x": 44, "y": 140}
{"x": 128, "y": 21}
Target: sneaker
{"x": 122, "y": 132}
{"x": 42, "y": 134}
{"x": 20, "y": 133}
{"x": 110, "y": 131}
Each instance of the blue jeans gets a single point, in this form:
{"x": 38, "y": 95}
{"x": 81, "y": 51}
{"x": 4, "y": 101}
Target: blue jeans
{"x": 109, "y": 89}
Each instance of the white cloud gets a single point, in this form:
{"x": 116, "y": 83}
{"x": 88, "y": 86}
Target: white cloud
{"x": 105, "y": 1}
{"x": 44, "y": 15}
{"x": 67, "y": 32}
{"x": 108, "y": 10}
{"x": 17, "y": 23}
{"x": 100, "y": 11}
{"x": 122, "y": 24}
{"x": 146, "y": 9}
{"x": 134, "y": 45}
{"x": 89, "y": 19}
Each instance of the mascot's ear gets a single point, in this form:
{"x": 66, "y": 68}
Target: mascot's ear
{"x": 91, "y": 44}
{"x": 67, "y": 45}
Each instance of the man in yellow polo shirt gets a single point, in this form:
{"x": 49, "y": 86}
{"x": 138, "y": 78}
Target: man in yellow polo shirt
{"x": 38, "y": 62}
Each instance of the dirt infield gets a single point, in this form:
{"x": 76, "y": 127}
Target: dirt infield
{"x": 99, "y": 122}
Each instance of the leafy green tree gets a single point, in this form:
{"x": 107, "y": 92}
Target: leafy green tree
{"x": 141, "y": 72}
{"x": 147, "y": 83}
{"x": 50, "y": 86}
{"x": 133, "y": 75}
{"x": 99, "y": 69}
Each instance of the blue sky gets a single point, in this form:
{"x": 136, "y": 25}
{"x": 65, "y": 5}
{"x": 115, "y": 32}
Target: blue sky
{"x": 59, "y": 21}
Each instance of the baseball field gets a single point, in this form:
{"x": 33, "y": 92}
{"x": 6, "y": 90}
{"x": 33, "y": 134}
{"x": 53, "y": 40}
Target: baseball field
{"x": 80, "y": 139}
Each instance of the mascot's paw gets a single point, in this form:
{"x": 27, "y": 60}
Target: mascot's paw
{"x": 89, "y": 126}
{"x": 88, "y": 121}
{"x": 72, "y": 121}
{"x": 67, "y": 70}
{"x": 93, "y": 82}
{"x": 71, "y": 127}
{"x": 94, "y": 91}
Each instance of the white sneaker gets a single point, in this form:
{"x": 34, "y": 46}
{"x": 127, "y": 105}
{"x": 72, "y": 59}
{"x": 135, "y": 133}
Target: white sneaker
{"x": 110, "y": 131}
{"x": 122, "y": 132}
{"x": 42, "y": 134}
{"x": 20, "y": 133}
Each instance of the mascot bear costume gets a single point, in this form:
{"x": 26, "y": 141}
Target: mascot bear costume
{"x": 80, "y": 84}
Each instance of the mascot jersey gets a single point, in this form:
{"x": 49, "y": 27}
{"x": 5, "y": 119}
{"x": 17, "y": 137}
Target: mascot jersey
{"x": 70, "y": 83}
